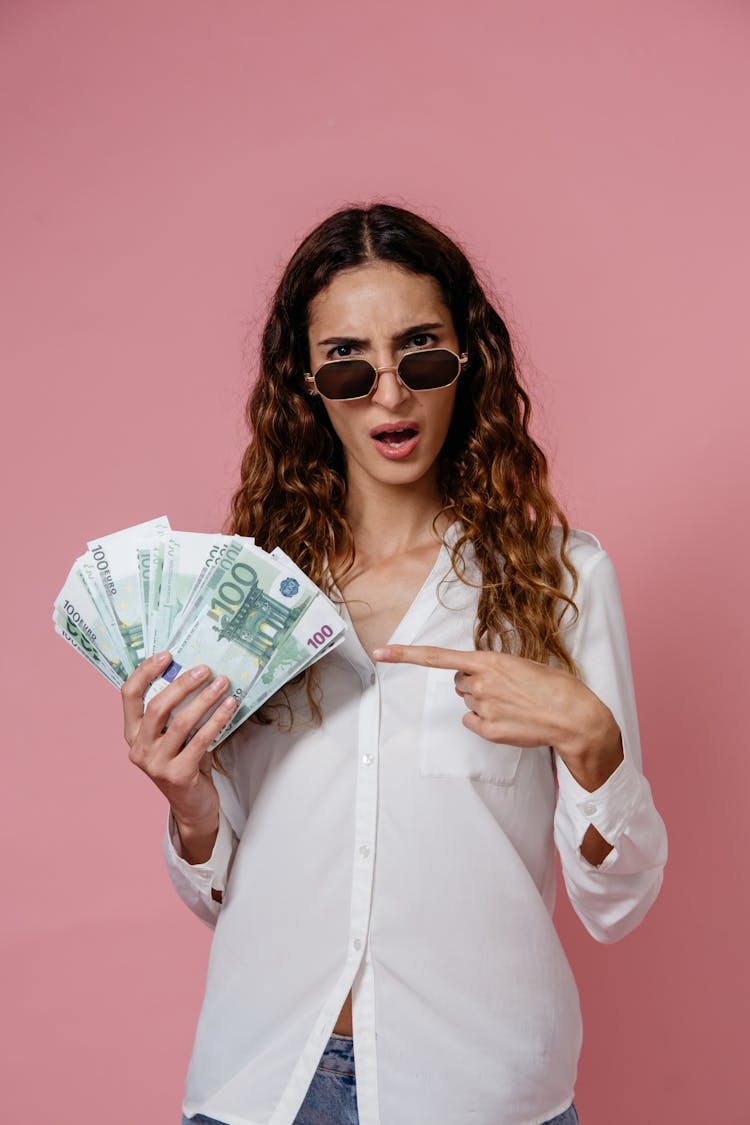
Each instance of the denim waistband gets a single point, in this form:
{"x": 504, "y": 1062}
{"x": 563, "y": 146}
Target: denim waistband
{"x": 338, "y": 1055}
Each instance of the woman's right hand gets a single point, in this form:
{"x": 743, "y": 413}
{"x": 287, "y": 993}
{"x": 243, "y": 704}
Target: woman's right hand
{"x": 180, "y": 769}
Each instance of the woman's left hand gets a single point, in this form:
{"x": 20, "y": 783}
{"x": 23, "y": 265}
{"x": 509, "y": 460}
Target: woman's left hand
{"x": 514, "y": 700}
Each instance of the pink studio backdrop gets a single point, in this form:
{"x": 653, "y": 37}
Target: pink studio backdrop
{"x": 162, "y": 158}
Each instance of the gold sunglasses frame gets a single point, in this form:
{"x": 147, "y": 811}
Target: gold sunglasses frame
{"x": 313, "y": 386}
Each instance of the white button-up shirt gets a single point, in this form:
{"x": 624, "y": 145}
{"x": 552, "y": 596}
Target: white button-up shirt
{"x": 393, "y": 852}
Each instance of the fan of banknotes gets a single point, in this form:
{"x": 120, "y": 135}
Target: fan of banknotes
{"x": 219, "y": 600}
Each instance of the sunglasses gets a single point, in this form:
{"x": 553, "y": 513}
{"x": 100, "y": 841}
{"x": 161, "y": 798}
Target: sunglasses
{"x": 428, "y": 370}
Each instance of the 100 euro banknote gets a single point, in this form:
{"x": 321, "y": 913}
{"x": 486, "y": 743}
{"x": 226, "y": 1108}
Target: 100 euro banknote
{"x": 206, "y": 598}
{"x": 247, "y": 606}
{"x": 114, "y": 558}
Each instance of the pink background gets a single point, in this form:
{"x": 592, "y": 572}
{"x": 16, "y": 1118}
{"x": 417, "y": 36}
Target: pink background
{"x": 162, "y": 158}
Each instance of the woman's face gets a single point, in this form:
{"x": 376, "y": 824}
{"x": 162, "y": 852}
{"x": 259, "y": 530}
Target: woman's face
{"x": 380, "y": 312}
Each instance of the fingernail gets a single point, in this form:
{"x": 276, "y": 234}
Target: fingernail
{"x": 228, "y": 704}
{"x": 162, "y": 656}
{"x": 380, "y": 653}
{"x": 199, "y": 672}
{"x": 219, "y": 684}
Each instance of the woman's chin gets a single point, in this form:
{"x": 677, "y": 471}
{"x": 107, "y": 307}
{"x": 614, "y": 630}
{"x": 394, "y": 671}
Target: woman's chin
{"x": 388, "y": 470}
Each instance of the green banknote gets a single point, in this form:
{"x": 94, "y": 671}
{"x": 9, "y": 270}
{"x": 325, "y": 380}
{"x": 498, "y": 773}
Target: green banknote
{"x": 86, "y": 570}
{"x": 80, "y": 643}
{"x": 114, "y": 560}
{"x": 188, "y": 557}
{"x": 150, "y": 561}
{"x": 220, "y": 545}
{"x": 206, "y": 598}
{"x": 143, "y": 562}
{"x": 319, "y": 629}
{"x": 81, "y": 619}
{"x": 247, "y": 606}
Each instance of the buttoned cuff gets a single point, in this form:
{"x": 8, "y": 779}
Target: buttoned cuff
{"x": 609, "y": 808}
{"x": 207, "y": 876}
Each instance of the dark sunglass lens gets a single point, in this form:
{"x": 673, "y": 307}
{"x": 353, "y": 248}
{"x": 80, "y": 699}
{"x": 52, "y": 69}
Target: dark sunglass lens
{"x": 345, "y": 378}
{"x": 425, "y": 371}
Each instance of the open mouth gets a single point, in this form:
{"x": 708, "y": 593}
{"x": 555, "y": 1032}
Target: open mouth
{"x": 394, "y": 436}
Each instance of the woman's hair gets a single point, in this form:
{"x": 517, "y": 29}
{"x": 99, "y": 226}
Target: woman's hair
{"x": 492, "y": 474}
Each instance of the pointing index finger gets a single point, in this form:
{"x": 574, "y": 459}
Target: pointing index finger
{"x": 429, "y": 656}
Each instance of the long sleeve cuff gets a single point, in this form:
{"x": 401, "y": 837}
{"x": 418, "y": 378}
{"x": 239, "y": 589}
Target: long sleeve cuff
{"x": 613, "y": 897}
{"x": 609, "y": 808}
{"x": 194, "y": 882}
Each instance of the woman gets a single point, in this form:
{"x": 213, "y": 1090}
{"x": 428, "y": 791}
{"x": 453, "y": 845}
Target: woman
{"x": 377, "y": 853}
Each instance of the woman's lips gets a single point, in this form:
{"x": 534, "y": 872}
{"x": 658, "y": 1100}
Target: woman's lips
{"x": 395, "y": 440}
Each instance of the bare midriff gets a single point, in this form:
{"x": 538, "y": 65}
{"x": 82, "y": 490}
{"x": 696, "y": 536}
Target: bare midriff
{"x": 344, "y": 1022}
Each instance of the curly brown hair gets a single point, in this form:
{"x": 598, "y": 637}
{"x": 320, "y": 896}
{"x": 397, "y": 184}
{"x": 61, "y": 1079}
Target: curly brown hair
{"x": 493, "y": 476}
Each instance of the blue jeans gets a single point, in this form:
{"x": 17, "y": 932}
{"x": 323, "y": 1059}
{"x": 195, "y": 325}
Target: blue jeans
{"x": 332, "y": 1095}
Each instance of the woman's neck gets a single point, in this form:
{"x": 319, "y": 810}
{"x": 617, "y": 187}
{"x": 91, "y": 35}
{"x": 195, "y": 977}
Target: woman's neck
{"x": 387, "y": 520}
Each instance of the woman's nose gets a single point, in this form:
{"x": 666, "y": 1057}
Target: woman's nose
{"x": 390, "y": 391}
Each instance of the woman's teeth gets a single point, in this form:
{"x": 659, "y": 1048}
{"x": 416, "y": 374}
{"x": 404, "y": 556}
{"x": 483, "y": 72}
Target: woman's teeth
{"x": 395, "y": 437}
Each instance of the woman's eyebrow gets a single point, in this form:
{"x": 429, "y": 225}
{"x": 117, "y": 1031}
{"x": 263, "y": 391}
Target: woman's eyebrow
{"x": 354, "y": 341}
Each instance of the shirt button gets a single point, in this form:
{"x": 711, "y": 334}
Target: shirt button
{"x": 589, "y": 808}
{"x": 364, "y": 851}
{"x": 357, "y": 943}
{"x": 373, "y": 678}
{"x": 367, "y": 759}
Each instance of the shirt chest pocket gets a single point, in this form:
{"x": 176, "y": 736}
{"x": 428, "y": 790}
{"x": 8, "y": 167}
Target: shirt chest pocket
{"x": 448, "y": 749}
